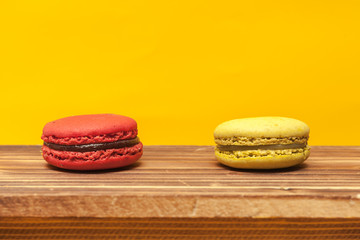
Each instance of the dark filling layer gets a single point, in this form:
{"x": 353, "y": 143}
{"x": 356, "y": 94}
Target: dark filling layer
{"x": 260, "y": 147}
{"x": 93, "y": 146}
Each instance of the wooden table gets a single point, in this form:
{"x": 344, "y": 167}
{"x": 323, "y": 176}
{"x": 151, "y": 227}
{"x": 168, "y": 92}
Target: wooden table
{"x": 180, "y": 192}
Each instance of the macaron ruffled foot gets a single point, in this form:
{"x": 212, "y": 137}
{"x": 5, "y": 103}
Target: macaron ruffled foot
{"x": 91, "y": 142}
{"x": 262, "y": 143}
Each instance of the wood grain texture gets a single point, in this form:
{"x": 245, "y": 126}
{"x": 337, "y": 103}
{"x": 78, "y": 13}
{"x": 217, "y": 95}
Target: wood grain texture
{"x": 181, "y": 182}
{"x": 175, "y": 228}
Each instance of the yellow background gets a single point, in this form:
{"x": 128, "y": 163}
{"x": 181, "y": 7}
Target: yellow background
{"x": 180, "y": 67}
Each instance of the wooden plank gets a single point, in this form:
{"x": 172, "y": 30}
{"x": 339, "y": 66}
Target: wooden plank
{"x": 182, "y": 182}
{"x": 179, "y": 228}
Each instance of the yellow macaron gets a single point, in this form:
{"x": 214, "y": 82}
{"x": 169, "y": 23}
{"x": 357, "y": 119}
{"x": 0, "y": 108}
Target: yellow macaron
{"x": 262, "y": 142}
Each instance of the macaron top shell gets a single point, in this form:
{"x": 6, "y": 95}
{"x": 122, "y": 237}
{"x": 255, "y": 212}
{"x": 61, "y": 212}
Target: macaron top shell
{"x": 262, "y": 127}
{"x": 89, "y": 125}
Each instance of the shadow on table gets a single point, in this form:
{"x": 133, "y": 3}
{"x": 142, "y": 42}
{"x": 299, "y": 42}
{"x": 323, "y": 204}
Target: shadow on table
{"x": 280, "y": 170}
{"x": 132, "y": 166}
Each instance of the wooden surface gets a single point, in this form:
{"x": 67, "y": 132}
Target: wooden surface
{"x": 175, "y": 228}
{"x": 180, "y": 192}
{"x": 181, "y": 181}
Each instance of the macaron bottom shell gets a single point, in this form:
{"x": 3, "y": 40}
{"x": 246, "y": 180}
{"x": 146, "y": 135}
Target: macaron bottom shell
{"x": 270, "y": 161}
{"x": 97, "y": 160}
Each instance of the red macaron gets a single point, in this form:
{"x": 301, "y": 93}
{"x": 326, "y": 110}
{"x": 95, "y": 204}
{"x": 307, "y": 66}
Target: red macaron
{"x": 91, "y": 142}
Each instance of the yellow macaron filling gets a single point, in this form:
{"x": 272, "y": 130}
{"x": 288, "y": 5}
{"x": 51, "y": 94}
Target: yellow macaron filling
{"x": 255, "y": 141}
{"x": 260, "y": 147}
{"x": 260, "y": 152}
